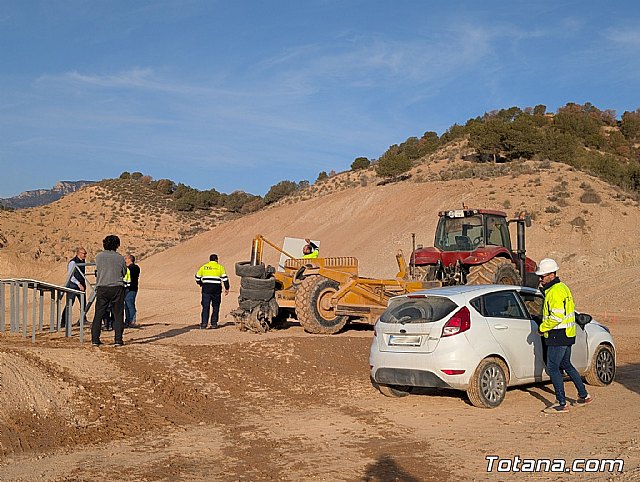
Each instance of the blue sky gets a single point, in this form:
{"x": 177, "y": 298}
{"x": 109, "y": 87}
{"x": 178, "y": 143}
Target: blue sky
{"x": 243, "y": 94}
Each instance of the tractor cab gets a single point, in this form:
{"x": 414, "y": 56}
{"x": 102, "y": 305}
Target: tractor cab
{"x": 467, "y": 231}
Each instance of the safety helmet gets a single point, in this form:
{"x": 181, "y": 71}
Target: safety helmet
{"x": 546, "y": 266}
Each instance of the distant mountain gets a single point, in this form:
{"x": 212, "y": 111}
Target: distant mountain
{"x": 40, "y": 197}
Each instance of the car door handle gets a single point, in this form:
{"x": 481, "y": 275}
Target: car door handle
{"x": 501, "y": 327}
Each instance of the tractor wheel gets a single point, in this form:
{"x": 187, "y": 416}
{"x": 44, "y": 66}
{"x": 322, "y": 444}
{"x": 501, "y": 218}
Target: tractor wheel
{"x": 500, "y": 271}
{"x": 313, "y": 306}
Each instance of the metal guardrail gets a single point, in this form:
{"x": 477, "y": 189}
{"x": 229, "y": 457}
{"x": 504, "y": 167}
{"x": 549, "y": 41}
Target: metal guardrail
{"x": 19, "y": 297}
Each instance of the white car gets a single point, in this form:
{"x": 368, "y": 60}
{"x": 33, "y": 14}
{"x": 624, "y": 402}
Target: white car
{"x": 480, "y": 339}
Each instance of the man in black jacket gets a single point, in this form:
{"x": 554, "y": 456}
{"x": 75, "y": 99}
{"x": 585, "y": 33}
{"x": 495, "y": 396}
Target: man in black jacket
{"x": 131, "y": 280}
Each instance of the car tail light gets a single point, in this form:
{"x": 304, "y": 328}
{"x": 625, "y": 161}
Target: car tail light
{"x": 453, "y": 372}
{"x": 458, "y": 323}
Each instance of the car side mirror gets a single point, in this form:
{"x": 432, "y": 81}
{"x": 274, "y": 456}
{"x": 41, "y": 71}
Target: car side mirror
{"x": 582, "y": 319}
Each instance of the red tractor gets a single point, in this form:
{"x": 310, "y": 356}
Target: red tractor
{"x": 473, "y": 246}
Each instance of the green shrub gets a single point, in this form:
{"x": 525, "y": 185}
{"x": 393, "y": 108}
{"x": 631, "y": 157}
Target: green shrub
{"x": 360, "y": 163}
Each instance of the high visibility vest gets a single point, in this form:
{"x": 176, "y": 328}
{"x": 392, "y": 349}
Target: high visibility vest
{"x": 212, "y": 273}
{"x": 558, "y": 311}
{"x": 313, "y": 254}
{"x": 127, "y": 279}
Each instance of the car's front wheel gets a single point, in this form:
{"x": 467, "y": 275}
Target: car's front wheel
{"x": 488, "y": 386}
{"x": 603, "y": 367}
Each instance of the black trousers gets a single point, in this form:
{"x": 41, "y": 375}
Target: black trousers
{"x": 104, "y": 296}
{"x": 213, "y": 300}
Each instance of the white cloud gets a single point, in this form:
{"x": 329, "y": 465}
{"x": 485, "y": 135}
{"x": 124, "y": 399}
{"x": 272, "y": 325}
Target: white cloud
{"x": 628, "y": 37}
{"x": 371, "y": 61}
{"x": 137, "y": 78}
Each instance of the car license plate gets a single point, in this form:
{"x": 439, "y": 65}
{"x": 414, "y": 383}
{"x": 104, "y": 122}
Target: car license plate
{"x": 405, "y": 340}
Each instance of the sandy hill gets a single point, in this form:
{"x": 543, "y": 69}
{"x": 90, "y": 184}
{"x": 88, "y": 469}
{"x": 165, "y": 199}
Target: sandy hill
{"x": 38, "y": 241}
{"x": 589, "y": 227}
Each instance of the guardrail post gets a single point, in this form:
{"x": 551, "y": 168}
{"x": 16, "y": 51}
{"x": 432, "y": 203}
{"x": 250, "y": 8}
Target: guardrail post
{"x": 25, "y": 302}
{"x": 41, "y": 311}
{"x": 52, "y": 312}
{"x": 35, "y": 303}
{"x": 82, "y": 315}
{"x": 69, "y": 320}
{"x": 1, "y": 305}
{"x": 12, "y": 301}
{"x": 57, "y": 311}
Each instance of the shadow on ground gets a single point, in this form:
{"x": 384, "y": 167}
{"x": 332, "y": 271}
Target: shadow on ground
{"x": 629, "y": 376}
{"x": 386, "y": 469}
{"x": 166, "y": 334}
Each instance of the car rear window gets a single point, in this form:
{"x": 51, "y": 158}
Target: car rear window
{"x": 418, "y": 310}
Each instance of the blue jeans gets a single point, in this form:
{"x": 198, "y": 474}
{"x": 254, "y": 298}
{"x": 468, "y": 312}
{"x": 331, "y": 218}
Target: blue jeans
{"x": 130, "y": 306}
{"x": 559, "y": 358}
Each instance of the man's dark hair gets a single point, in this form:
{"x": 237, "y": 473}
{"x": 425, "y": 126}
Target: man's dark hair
{"x": 111, "y": 242}
{"x": 213, "y": 257}
{"x": 132, "y": 257}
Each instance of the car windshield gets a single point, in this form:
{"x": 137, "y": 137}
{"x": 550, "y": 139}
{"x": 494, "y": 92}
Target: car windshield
{"x": 418, "y": 310}
{"x": 459, "y": 234}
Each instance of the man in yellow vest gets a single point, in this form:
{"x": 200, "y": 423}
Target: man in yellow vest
{"x": 211, "y": 277}
{"x": 558, "y": 328}
{"x": 310, "y": 250}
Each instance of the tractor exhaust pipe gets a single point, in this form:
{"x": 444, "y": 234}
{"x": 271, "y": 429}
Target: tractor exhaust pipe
{"x": 521, "y": 252}
{"x": 412, "y": 261}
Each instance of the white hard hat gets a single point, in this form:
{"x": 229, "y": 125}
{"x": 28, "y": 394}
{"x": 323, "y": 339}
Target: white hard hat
{"x": 546, "y": 266}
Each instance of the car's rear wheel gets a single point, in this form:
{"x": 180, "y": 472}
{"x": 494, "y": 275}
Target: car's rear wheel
{"x": 488, "y": 386}
{"x": 603, "y": 367}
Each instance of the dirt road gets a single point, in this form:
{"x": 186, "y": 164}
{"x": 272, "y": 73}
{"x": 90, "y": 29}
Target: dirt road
{"x": 177, "y": 403}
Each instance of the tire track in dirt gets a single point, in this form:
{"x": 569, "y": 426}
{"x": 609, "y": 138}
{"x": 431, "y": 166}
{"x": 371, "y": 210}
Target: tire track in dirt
{"x": 271, "y": 402}
{"x": 291, "y": 392}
